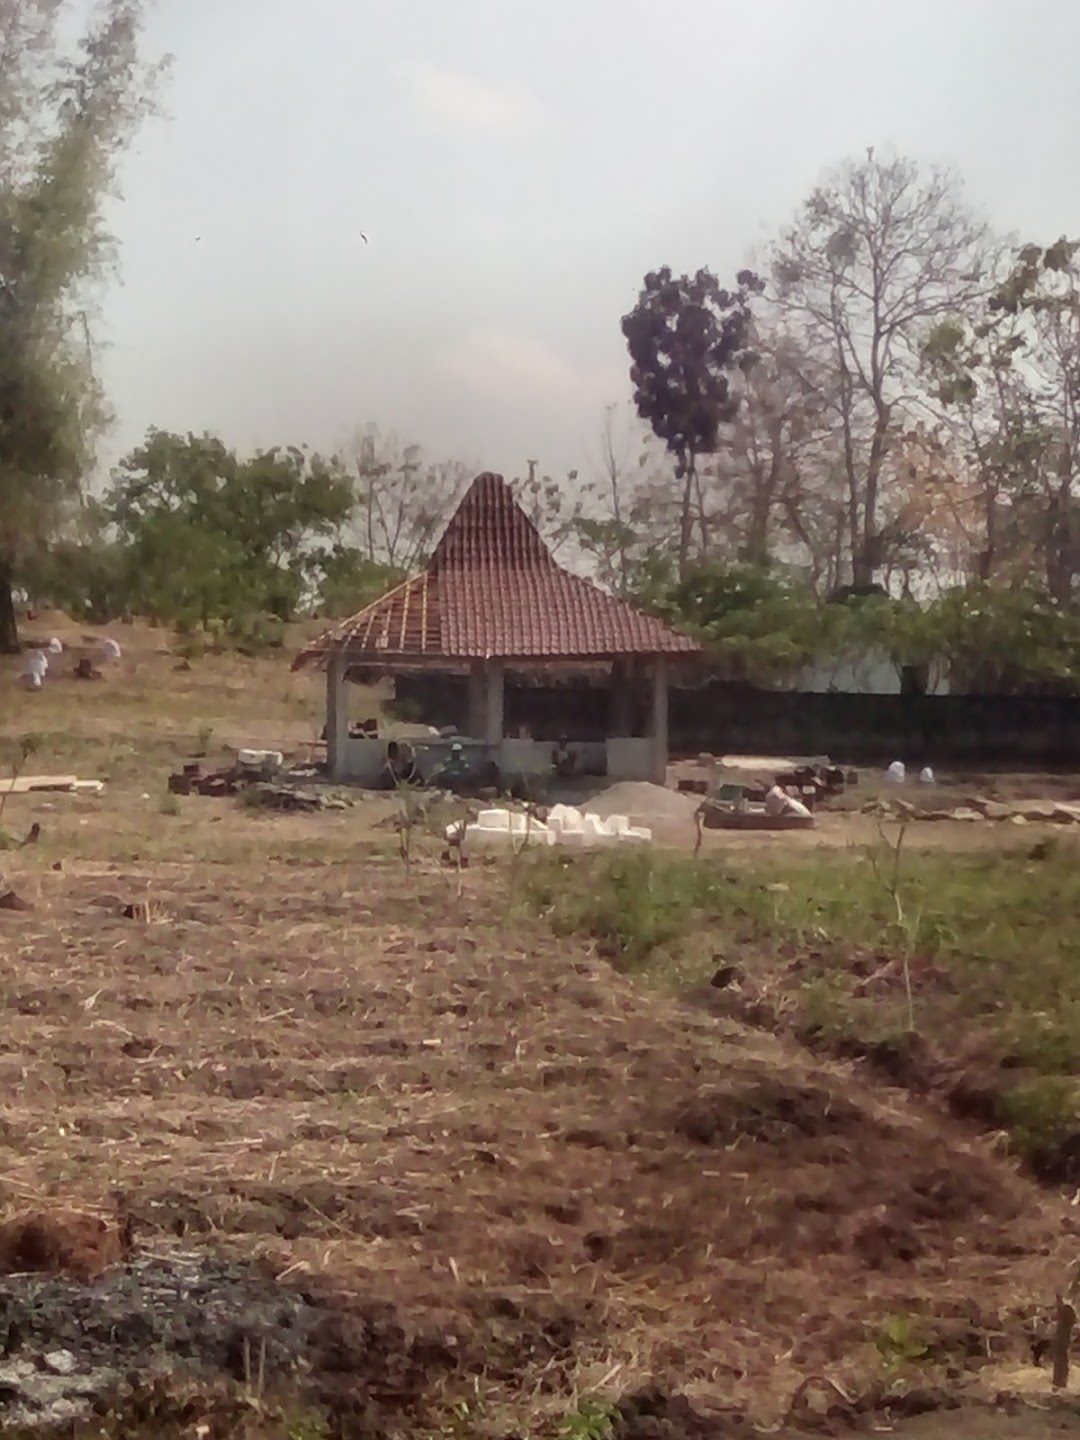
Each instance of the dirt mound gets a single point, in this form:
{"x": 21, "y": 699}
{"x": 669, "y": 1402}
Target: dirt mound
{"x": 769, "y": 1110}
{"x": 61, "y": 1243}
{"x": 785, "y": 1171}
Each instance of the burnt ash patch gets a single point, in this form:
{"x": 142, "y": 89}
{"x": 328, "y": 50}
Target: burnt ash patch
{"x": 69, "y": 1346}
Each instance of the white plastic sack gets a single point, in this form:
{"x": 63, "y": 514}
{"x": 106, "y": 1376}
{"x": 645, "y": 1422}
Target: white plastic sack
{"x": 896, "y": 773}
{"x": 273, "y": 758}
{"x": 926, "y": 775}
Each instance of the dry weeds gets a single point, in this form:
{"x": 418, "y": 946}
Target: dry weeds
{"x": 378, "y": 1085}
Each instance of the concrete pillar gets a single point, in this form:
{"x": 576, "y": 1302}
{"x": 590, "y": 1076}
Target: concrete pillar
{"x": 620, "y": 722}
{"x": 476, "y": 719}
{"x": 658, "y": 728}
{"x": 337, "y": 716}
{"x": 493, "y": 728}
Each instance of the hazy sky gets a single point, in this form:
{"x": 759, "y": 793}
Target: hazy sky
{"x": 517, "y": 168}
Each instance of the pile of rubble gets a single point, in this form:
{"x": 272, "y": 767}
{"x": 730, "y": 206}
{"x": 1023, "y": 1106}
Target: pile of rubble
{"x": 294, "y": 799}
{"x": 811, "y": 783}
{"x": 258, "y": 776}
{"x": 248, "y": 767}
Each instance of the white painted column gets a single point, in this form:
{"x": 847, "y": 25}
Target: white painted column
{"x": 476, "y": 720}
{"x": 493, "y": 728}
{"x": 337, "y": 716}
{"x": 658, "y": 729}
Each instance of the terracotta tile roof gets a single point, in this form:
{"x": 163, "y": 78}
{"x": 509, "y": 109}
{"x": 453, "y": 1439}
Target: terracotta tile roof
{"x": 493, "y": 589}
{"x": 405, "y": 621}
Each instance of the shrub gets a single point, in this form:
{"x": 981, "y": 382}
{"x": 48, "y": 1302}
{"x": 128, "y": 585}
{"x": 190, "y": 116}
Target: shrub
{"x": 632, "y": 901}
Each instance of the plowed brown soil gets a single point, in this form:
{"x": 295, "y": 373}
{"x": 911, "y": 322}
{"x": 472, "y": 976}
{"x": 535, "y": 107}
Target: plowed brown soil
{"x": 428, "y": 1104}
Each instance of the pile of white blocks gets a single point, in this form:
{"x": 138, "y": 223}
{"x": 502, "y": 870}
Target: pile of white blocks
{"x": 565, "y": 825}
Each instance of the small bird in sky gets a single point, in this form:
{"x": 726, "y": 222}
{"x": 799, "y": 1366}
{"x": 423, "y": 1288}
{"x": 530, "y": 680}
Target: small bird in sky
{"x": 363, "y": 237}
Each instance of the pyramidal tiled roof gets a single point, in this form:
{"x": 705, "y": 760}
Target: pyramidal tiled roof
{"x": 492, "y": 589}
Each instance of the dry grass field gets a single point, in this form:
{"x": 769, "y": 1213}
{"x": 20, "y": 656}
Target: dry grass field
{"x": 436, "y": 1165}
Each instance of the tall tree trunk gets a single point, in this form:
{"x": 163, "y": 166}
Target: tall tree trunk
{"x": 757, "y": 534}
{"x": 862, "y": 566}
{"x": 9, "y": 628}
{"x": 686, "y": 518}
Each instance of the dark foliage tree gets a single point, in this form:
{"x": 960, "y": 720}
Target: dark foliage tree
{"x": 687, "y": 336}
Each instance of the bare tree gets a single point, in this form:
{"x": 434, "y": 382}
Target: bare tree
{"x": 758, "y": 482}
{"x": 552, "y": 505}
{"x": 625, "y": 502}
{"x": 876, "y": 256}
{"x": 403, "y": 500}
{"x": 1008, "y": 377}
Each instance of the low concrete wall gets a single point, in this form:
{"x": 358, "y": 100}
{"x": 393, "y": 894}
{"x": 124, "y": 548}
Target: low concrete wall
{"x": 633, "y": 759}
{"x": 719, "y": 717}
{"x": 1016, "y": 731}
{"x": 533, "y": 757}
{"x": 364, "y": 761}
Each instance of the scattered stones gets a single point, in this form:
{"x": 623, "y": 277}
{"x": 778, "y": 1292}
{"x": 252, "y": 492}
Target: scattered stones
{"x": 33, "y": 1397}
{"x": 1025, "y": 812}
{"x": 288, "y": 798}
{"x": 254, "y": 778}
{"x": 60, "y": 1362}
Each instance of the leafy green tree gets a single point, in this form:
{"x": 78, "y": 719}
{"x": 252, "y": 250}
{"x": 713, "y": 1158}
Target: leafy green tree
{"x": 687, "y": 336}
{"x": 89, "y": 579}
{"x": 1007, "y": 640}
{"x": 760, "y": 627}
{"x": 64, "y": 120}
{"x": 347, "y": 580}
{"x": 209, "y": 535}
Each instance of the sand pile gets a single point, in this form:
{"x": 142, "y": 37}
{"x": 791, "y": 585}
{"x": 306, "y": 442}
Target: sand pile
{"x": 645, "y": 804}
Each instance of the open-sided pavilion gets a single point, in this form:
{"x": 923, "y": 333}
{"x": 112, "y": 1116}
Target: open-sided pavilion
{"x": 493, "y": 601}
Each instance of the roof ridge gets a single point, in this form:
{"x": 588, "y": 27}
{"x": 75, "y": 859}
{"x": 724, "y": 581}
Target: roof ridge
{"x": 490, "y": 530}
